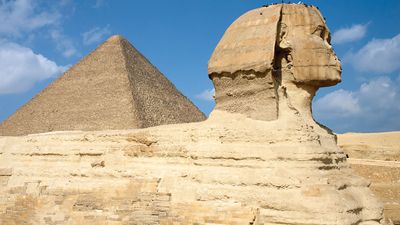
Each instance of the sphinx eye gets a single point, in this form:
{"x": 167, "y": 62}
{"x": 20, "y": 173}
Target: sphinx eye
{"x": 320, "y": 31}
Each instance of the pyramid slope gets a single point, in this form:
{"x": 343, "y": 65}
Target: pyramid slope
{"x": 105, "y": 90}
{"x": 156, "y": 99}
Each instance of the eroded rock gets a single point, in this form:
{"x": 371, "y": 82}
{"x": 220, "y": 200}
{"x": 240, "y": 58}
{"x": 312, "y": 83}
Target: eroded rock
{"x": 260, "y": 158}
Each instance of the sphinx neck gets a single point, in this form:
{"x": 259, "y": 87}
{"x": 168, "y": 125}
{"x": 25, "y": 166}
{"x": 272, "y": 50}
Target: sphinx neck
{"x": 263, "y": 96}
{"x": 295, "y": 100}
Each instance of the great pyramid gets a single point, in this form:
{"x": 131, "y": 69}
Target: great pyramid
{"x": 114, "y": 87}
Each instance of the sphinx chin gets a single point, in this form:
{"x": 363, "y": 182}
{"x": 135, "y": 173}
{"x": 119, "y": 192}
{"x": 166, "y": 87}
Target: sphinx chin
{"x": 318, "y": 76}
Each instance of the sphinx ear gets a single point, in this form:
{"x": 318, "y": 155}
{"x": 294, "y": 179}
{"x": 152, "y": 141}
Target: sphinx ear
{"x": 282, "y": 42}
{"x": 248, "y": 44}
{"x": 283, "y": 56}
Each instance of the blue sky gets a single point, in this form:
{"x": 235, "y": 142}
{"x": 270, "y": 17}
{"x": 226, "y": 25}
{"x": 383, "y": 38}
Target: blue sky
{"x": 40, "y": 39}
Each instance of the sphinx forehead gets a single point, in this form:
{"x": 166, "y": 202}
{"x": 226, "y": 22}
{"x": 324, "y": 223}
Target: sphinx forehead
{"x": 297, "y": 16}
{"x": 249, "y": 43}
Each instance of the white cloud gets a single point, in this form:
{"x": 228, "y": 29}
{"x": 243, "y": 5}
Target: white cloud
{"x": 340, "y": 103}
{"x": 207, "y": 95}
{"x": 21, "y": 68}
{"x": 350, "y": 34}
{"x": 99, "y": 3}
{"x": 375, "y": 106}
{"x": 63, "y": 43}
{"x": 96, "y": 35}
{"x": 378, "y": 55}
{"x": 21, "y": 16}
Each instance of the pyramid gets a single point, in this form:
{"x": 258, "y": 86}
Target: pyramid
{"x": 114, "y": 87}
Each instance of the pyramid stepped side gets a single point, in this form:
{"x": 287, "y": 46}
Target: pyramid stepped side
{"x": 95, "y": 94}
{"x": 156, "y": 99}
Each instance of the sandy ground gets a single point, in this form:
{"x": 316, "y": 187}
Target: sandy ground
{"x": 376, "y": 156}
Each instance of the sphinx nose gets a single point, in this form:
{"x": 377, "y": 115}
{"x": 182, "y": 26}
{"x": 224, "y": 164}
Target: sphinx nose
{"x": 337, "y": 60}
{"x": 338, "y": 64}
{"x": 333, "y": 55}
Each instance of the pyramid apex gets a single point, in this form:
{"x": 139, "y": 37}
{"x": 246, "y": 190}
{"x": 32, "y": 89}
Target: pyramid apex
{"x": 115, "y": 38}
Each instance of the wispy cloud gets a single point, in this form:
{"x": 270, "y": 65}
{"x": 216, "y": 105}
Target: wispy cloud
{"x": 63, "y": 43}
{"x": 21, "y": 68}
{"x": 99, "y": 3}
{"x": 375, "y": 105}
{"x": 96, "y": 35}
{"x": 349, "y": 34}
{"x": 22, "y": 16}
{"x": 378, "y": 55}
{"x": 207, "y": 95}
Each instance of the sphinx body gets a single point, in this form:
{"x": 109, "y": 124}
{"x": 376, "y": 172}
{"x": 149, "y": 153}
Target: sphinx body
{"x": 258, "y": 159}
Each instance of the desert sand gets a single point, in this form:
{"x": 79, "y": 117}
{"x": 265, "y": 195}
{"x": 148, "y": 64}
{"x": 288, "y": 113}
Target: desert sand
{"x": 376, "y": 156}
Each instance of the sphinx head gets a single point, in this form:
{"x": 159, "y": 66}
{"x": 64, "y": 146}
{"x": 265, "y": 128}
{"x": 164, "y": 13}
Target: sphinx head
{"x": 270, "y": 50}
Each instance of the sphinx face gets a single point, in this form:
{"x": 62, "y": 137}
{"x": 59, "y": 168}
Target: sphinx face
{"x": 313, "y": 60}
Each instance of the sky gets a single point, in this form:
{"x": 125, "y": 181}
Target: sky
{"x": 39, "y": 40}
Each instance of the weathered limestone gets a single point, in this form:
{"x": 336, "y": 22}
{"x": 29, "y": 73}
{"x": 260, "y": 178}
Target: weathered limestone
{"x": 376, "y": 156}
{"x": 242, "y": 64}
{"x": 114, "y": 87}
{"x": 268, "y": 49}
{"x": 258, "y": 159}
{"x": 218, "y": 171}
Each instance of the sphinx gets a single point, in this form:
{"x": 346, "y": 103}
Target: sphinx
{"x": 270, "y": 52}
{"x": 260, "y": 158}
